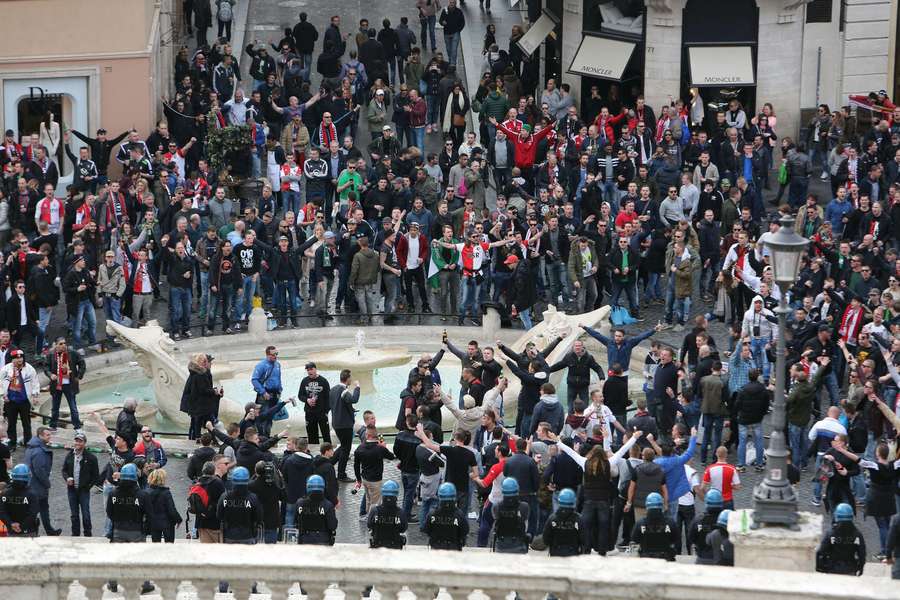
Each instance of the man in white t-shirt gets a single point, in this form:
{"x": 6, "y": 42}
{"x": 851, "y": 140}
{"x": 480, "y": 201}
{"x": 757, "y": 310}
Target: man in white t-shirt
{"x": 600, "y": 414}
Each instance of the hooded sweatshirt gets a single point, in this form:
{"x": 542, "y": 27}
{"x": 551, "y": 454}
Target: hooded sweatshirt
{"x": 752, "y": 319}
{"x": 550, "y": 410}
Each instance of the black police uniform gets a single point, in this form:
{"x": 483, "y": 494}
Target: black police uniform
{"x": 446, "y": 527}
{"x": 241, "y": 514}
{"x": 387, "y": 523}
{"x": 700, "y": 527}
{"x": 720, "y": 546}
{"x": 842, "y": 551}
{"x": 564, "y": 534}
{"x": 316, "y": 521}
{"x": 127, "y": 508}
{"x": 18, "y": 504}
{"x": 510, "y": 520}
{"x": 657, "y": 536}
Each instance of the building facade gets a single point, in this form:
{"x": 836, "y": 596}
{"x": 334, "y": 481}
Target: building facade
{"x": 96, "y": 64}
{"x": 793, "y": 54}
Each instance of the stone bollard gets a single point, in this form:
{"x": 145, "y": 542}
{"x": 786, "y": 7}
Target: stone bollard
{"x": 257, "y": 324}
{"x": 490, "y": 323}
{"x": 775, "y": 548}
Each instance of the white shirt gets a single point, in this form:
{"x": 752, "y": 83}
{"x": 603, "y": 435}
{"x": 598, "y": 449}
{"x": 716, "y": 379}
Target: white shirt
{"x": 23, "y": 316}
{"x": 412, "y": 257}
{"x": 605, "y": 419}
{"x": 692, "y": 476}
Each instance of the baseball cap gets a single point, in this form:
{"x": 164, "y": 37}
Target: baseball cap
{"x": 414, "y": 224}
{"x": 726, "y": 182}
{"x": 80, "y": 436}
{"x": 386, "y": 128}
{"x": 10, "y": 132}
{"x": 329, "y": 235}
{"x": 310, "y": 365}
{"x": 387, "y": 221}
{"x": 283, "y": 237}
{"x": 824, "y": 327}
{"x": 379, "y": 92}
{"x": 17, "y": 353}
{"x": 511, "y": 260}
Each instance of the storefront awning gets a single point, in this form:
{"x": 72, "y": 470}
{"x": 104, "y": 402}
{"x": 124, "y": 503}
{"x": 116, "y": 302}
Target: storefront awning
{"x": 721, "y": 65}
{"x": 536, "y": 34}
{"x": 602, "y": 57}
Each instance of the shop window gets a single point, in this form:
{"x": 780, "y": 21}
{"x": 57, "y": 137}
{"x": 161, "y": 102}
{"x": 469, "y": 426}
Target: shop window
{"x": 819, "y": 11}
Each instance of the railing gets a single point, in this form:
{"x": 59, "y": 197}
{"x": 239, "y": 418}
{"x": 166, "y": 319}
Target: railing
{"x": 66, "y": 569}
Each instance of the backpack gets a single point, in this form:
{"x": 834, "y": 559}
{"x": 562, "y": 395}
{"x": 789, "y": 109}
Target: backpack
{"x": 225, "y": 12}
{"x": 198, "y": 500}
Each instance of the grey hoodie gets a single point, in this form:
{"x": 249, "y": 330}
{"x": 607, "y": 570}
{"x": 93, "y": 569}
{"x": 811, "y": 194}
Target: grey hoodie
{"x": 550, "y": 410}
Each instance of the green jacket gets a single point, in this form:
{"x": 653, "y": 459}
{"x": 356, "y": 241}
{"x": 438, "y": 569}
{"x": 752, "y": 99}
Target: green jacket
{"x": 575, "y": 265}
{"x": 414, "y": 73}
{"x": 364, "y": 268}
{"x": 801, "y": 397}
{"x": 494, "y": 105}
{"x": 376, "y": 116}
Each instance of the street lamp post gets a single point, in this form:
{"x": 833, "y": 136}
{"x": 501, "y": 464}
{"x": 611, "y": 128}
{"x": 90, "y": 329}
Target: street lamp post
{"x": 774, "y": 500}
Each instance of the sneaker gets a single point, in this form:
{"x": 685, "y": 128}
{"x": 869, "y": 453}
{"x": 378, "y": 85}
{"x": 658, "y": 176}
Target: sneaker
{"x": 188, "y": 334}
{"x": 81, "y": 352}
{"x": 473, "y": 515}
{"x": 176, "y": 336}
{"x": 759, "y": 468}
{"x": 460, "y": 322}
{"x": 237, "y": 327}
{"x": 824, "y": 176}
{"x": 741, "y": 469}
{"x": 815, "y": 502}
{"x": 228, "y": 331}
{"x": 206, "y": 332}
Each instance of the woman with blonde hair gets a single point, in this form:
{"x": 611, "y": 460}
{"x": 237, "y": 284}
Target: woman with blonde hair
{"x": 309, "y": 273}
{"x": 164, "y": 517}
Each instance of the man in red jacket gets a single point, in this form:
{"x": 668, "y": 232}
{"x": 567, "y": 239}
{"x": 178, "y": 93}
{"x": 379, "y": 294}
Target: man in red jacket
{"x": 412, "y": 254}
{"x": 525, "y": 144}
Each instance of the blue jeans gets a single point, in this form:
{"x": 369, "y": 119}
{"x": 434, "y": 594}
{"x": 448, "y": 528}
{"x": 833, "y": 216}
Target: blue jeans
{"x": 291, "y": 201}
{"x": 757, "y": 432}
{"x": 798, "y": 445}
{"x": 559, "y": 281}
{"x": 758, "y": 349}
{"x": 525, "y": 316}
{"x": 84, "y": 315}
{"x": 285, "y": 296}
{"x": 80, "y": 502}
{"x": 817, "y": 484}
{"x": 410, "y": 483}
{"x": 56, "y": 398}
{"x": 244, "y": 306}
{"x": 44, "y": 316}
{"x": 470, "y": 290}
{"x": 418, "y": 134}
{"x": 428, "y": 505}
{"x": 112, "y": 306}
{"x": 611, "y": 195}
{"x": 797, "y": 191}
{"x": 290, "y": 514}
{"x": 307, "y": 66}
{"x": 712, "y": 429}
{"x": 427, "y": 26}
{"x": 682, "y": 308}
{"x": 179, "y": 309}
{"x": 831, "y": 385}
{"x": 452, "y": 43}
{"x": 653, "y": 290}
{"x": 486, "y": 523}
{"x": 204, "y": 294}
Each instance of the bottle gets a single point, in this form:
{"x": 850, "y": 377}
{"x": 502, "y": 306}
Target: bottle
{"x": 444, "y": 337}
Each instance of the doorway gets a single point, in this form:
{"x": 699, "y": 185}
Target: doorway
{"x": 32, "y": 110}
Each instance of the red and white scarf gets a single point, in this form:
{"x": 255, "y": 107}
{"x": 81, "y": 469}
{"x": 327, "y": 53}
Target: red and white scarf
{"x": 851, "y": 323}
{"x": 62, "y": 359}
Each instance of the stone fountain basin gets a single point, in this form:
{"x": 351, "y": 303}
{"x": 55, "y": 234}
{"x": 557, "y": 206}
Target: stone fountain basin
{"x": 362, "y": 364}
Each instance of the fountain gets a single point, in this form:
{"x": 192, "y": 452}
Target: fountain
{"x": 361, "y": 361}
{"x": 157, "y": 356}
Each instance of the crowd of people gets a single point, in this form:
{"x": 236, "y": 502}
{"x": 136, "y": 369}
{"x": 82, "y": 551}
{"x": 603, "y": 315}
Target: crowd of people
{"x": 593, "y": 202}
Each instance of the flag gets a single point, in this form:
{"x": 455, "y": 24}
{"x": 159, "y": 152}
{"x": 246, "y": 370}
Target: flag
{"x": 434, "y": 270}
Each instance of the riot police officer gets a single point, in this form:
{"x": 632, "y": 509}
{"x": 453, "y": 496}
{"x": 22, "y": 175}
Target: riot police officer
{"x": 239, "y": 510}
{"x": 19, "y": 505}
{"x": 386, "y": 521}
{"x": 563, "y": 533}
{"x": 702, "y": 525}
{"x": 510, "y": 520}
{"x": 719, "y": 545}
{"x": 843, "y": 549}
{"x": 656, "y": 534}
{"x": 446, "y": 526}
{"x": 127, "y": 507}
{"x": 316, "y": 521}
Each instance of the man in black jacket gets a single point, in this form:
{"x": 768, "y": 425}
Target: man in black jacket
{"x": 181, "y": 273}
{"x": 64, "y": 369}
{"x": 81, "y": 472}
{"x": 201, "y": 456}
{"x": 305, "y": 36}
{"x": 315, "y": 394}
{"x": 101, "y": 147}
{"x": 22, "y": 317}
{"x": 296, "y": 468}
{"x": 405, "y": 445}
{"x": 521, "y": 467}
{"x": 751, "y": 406}
{"x": 580, "y": 364}
{"x": 368, "y": 465}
